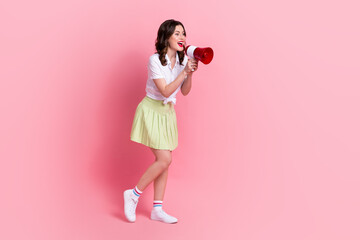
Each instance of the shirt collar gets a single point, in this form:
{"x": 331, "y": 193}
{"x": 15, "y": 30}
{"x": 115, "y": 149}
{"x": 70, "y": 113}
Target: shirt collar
{"x": 169, "y": 62}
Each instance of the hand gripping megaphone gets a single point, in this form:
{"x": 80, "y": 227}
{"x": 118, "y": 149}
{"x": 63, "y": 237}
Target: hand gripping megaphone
{"x": 204, "y": 55}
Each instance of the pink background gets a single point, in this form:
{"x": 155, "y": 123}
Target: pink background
{"x": 268, "y": 137}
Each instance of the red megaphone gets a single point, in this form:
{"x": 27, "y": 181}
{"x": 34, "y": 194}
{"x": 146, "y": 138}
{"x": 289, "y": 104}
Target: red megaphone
{"x": 205, "y": 55}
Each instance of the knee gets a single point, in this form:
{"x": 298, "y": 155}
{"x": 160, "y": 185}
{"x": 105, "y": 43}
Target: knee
{"x": 165, "y": 162}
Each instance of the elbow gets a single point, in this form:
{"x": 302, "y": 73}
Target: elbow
{"x": 184, "y": 93}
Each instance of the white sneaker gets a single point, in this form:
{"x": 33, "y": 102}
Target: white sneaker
{"x": 130, "y": 205}
{"x": 160, "y": 215}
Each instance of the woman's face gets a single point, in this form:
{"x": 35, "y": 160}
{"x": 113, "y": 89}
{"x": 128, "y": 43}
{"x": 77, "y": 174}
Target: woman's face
{"x": 177, "y": 39}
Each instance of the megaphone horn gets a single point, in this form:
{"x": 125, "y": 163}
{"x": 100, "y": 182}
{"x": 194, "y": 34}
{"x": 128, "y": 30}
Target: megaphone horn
{"x": 205, "y": 55}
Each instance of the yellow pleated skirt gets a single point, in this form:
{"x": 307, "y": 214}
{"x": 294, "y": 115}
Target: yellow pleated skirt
{"x": 155, "y": 125}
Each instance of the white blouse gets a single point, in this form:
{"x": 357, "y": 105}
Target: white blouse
{"x": 156, "y": 70}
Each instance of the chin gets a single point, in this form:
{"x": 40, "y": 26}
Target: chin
{"x": 178, "y": 49}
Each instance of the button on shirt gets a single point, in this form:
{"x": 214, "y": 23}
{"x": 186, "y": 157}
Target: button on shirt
{"x": 156, "y": 70}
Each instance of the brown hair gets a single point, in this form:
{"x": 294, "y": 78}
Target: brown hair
{"x": 165, "y": 31}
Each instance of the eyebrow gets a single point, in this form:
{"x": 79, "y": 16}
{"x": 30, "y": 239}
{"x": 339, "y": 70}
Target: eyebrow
{"x": 178, "y": 31}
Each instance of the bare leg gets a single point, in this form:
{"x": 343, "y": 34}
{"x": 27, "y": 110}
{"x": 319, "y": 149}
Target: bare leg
{"x": 160, "y": 185}
{"x": 162, "y": 162}
{"x": 160, "y": 182}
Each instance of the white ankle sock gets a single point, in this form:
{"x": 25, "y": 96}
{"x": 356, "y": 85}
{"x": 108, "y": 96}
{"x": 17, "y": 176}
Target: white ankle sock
{"x": 136, "y": 193}
{"x": 157, "y": 205}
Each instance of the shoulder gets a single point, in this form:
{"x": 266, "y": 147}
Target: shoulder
{"x": 154, "y": 58}
{"x": 154, "y": 64}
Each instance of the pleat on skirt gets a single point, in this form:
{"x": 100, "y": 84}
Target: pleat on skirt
{"x": 155, "y": 124}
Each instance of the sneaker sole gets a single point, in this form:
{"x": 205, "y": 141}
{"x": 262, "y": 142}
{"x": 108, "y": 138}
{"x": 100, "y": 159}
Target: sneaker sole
{"x": 155, "y": 219}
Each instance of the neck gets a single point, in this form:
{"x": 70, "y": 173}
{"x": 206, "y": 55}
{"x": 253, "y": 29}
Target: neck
{"x": 171, "y": 53}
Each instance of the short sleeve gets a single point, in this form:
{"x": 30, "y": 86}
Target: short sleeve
{"x": 154, "y": 68}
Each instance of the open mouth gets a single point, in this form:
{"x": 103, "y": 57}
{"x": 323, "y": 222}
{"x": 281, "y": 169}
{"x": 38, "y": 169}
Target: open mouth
{"x": 181, "y": 44}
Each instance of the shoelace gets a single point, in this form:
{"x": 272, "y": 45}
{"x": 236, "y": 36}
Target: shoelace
{"x": 163, "y": 213}
{"x": 133, "y": 206}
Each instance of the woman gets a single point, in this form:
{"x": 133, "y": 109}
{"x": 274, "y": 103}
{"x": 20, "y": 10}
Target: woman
{"x": 154, "y": 125}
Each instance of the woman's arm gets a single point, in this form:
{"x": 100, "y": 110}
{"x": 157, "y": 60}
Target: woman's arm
{"x": 167, "y": 90}
{"x": 186, "y": 87}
